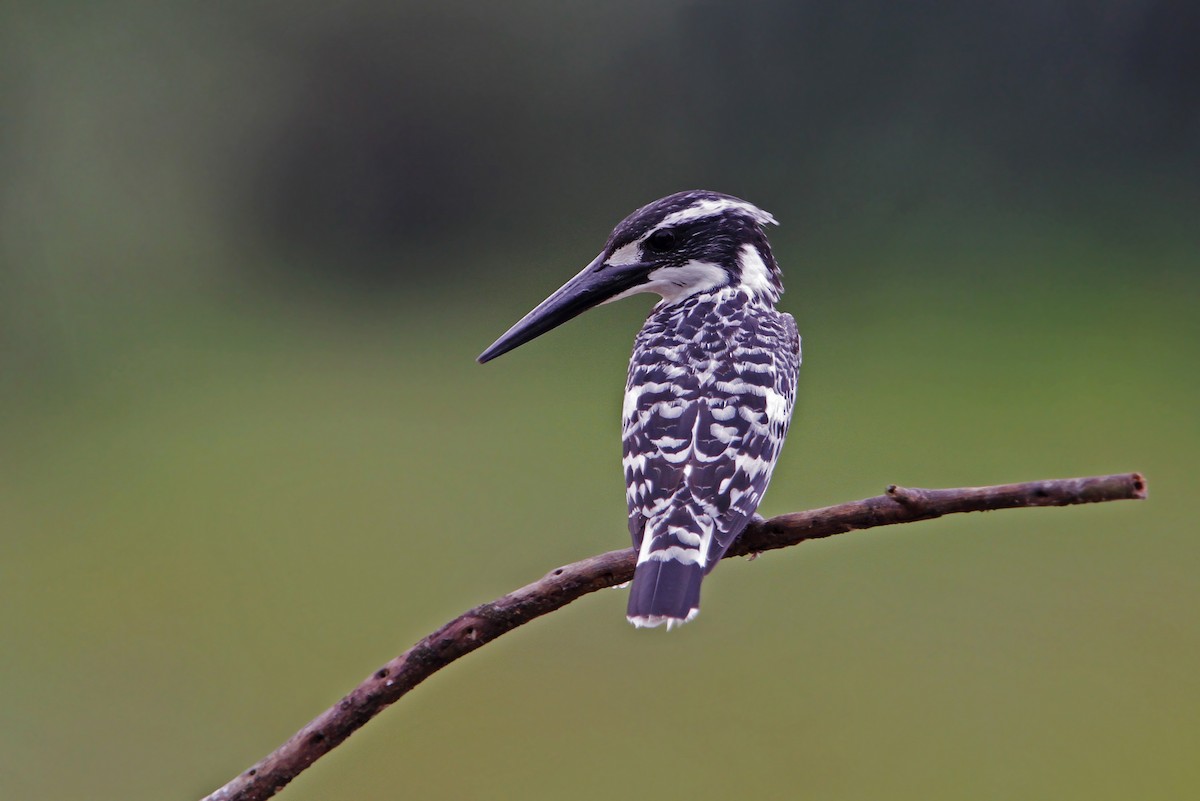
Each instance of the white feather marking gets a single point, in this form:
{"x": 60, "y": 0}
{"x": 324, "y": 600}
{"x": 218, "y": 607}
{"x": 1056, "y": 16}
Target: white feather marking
{"x": 713, "y": 207}
{"x": 686, "y": 537}
{"x": 686, "y": 556}
{"x": 676, "y": 283}
{"x": 755, "y": 276}
{"x": 777, "y": 407}
{"x": 647, "y": 541}
{"x": 670, "y": 411}
{"x": 625, "y": 255}
{"x": 740, "y": 387}
{"x": 750, "y": 465}
{"x": 676, "y": 458}
{"x": 651, "y": 621}
{"x": 675, "y": 371}
{"x": 634, "y": 461}
{"x": 671, "y": 352}
{"x": 723, "y": 413}
{"x": 749, "y": 415}
{"x": 632, "y": 396}
{"x": 725, "y": 434}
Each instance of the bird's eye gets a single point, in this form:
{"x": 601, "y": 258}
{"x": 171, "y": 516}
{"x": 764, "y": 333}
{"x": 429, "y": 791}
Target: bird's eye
{"x": 661, "y": 240}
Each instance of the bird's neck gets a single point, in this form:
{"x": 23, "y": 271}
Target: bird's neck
{"x": 721, "y": 308}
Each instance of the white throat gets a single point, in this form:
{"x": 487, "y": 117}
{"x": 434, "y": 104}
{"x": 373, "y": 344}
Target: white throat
{"x": 674, "y": 284}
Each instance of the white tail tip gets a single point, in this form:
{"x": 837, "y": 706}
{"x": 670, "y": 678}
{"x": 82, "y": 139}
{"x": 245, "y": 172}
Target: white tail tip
{"x": 653, "y": 621}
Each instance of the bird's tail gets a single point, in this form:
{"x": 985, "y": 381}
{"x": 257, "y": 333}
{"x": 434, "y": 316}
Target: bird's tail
{"x": 665, "y": 591}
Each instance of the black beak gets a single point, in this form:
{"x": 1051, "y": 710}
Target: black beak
{"x": 597, "y": 283}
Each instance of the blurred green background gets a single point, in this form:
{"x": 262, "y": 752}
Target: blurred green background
{"x": 248, "y": 252}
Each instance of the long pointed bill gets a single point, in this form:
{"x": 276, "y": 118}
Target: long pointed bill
{"x": 597, "y": 283}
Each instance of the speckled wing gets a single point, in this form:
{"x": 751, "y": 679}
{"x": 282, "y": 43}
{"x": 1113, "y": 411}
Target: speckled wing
{"x": 736, "y": 456}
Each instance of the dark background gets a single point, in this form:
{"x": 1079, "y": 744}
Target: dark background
{"x": 248, "y": 252}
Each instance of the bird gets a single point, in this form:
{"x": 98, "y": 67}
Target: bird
{"x": 710, "y": 389}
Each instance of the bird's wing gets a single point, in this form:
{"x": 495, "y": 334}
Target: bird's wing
{"x": 659, "y": 418}
{"x": 735, "y": 457}
{"x": 700, "y": 441}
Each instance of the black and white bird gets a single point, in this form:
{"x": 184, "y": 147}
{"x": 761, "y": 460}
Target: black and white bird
{"x": 711, "y": 385}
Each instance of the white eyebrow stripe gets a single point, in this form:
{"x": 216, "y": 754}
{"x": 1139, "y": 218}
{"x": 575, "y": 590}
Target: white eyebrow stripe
{"x": 713, "y": 207}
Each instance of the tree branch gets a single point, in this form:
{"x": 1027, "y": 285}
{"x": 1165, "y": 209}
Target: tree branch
{"x": 559, "y": 587}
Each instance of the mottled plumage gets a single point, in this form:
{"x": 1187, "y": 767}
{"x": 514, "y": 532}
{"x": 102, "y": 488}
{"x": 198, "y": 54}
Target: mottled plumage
{"x": 707, "y": 405}
{"x": 711, "y": 385}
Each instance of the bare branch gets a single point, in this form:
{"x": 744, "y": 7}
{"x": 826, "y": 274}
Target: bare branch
{"x": 558, "y": 588}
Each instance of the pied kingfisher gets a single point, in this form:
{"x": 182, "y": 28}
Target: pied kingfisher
{"x": 712, "y": 381}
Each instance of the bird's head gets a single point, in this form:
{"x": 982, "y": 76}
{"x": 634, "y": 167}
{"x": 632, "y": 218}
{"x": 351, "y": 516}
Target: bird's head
{"x": 676, "y": 247}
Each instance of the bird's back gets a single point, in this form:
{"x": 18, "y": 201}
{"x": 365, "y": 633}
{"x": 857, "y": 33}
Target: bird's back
{"x": 711, "y": 386}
